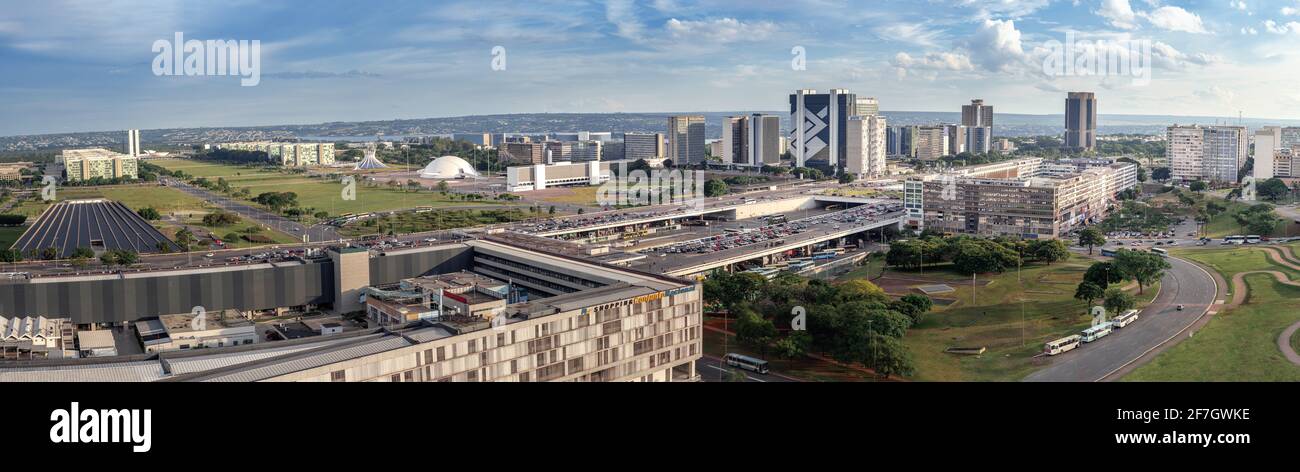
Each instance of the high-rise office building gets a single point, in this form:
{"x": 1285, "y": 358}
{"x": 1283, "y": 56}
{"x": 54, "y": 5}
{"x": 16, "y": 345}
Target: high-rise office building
{"x": 977, "y": 114}
{"x": 898, "y": 140}
{"x": 1213, "y": 153}
{"x": 956, "y": 139}
{"x": 979, "y": 139}
{"x": 868, "y": 106}
{"x": 524, "y": 152}
{"x": 643, "y": 145}
{"x": 819, "y": 121}
{"x": 1081, "y": 121}
{"x": 753, "y": 140}
{"x": 1267, "y": 141}
{"x": 133, "y": 142}
{"x": 866, "y": 146}
{"x": 87, "y": 164}
{"x": 930, "y": 142}
{"x": 686, "y": 139}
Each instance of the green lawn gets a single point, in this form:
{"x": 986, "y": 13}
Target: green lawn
{"x": 1225, "y": 224}
{"x": 8, "y": 235}
{"x": 1239, "y": 344}
{"x": 135, "y": 197}
{"x": 317, "y": 194}
{"x": 992, "y": 319}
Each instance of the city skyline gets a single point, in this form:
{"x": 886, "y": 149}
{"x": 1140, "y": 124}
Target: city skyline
{"x": 401, "y": 60}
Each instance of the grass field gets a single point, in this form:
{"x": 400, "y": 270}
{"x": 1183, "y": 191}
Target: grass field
{"x": 317, "y": 194}
{"x": 135, "y": 197}
{"x": 9, "y": 235}
{"x": 1225, "y": 224}
{"x": 410, "y": 222}
{"x": 1239, "y": 344}
{"x": 992, "y": 319}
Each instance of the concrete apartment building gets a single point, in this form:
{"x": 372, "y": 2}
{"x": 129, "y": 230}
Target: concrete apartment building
{"x": 1275, "y": 148}
{"x": 86, "y": 164}
{"x": 1016, "y": 198}
{"x": 289, "y": 154}
{"x": 865, "y": 155}
{"x": 686, "y": 139}
{"x": 977, "y": 114}
{"x": 1209, "y": 153}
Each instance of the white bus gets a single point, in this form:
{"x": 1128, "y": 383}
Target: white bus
{"x": 747, "y": 363}
{"x": 1161, "y": 252}
{"x": 1096, "y": 332}
{"x": 1125, "y": 319}
{"x": 1234, "y": 239}
{"x": 1061, "y": 345}
{"x": 1252, "y": 239}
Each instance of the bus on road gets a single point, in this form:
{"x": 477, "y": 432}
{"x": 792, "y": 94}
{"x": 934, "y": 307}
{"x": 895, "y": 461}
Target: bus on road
{"x": 1096, "y": 332}
{"x": 746, "y": 362}
{"x": 1061, "y": 345}
{"x": 1252, "y": 239}
{"x": 1234, "y": 239}
{"x": 1161, "y": 252}
{"x": 1125, "y": 319}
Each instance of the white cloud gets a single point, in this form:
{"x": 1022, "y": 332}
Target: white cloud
{"x": 996, "y": 45}
{"x": 1217, "y": 93}
{"x": 1118, "y": 13}
{"x": 723, "y": 30}
{"x": 1012, "y": 8}
{"x": 910, "y": 33}
{"x": 621, "y": 13}
{"x": 1238, "y": 4}
{"x": 1249, "y": 31}
{"x": 1283, "y": 28}
{"x": 949, "y": 61}
{"x": 1290, "y": 11}
{"x": 1176, "y": 19}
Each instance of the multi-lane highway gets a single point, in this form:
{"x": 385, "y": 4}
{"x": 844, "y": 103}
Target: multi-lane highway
{"x": 1185, "y": 283}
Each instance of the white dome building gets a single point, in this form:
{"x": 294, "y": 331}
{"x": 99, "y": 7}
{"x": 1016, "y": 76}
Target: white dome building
{"x": 448, "y": 167}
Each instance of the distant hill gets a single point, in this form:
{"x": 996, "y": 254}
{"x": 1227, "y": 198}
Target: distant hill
{"x": 1006, "y": 124}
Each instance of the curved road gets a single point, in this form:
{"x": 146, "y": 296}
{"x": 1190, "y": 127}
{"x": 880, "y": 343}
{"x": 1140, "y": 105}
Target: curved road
{"x": 1184, "y": 283}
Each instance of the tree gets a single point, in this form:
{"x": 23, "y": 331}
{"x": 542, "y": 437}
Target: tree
{"x": 913, "y": 306}
{"x": 1144, "y": 267}
{"x": 846, "y": 178}
{"x": 715, "y": 188}
{"x": 1272, "y": 189}
{"x": 443, "y": 187}
{"x": 11, "y": 255}
{"x": 1161, "y": 173}
{"x": 149, "y": 213}
{"x": 50, "y": 253}
{"x": 1119, "y": 301}
{"x": 82, "y": 253}
{"x": 1087, "y": 292}
{"x": 1048, "y": 250}
{"x": 108, "y": 258}
{"x": 1197, "y": 186}
{"x": 862, "y": 290}
{"x": 185, "y": 238}
{"x": 1102, "y": 274}
{"x": 754, "y": 331}
{"x": 127, "y": 257}
{"x": 551, "y": 210}
{"x": 793, "y": 345}
{"x": 888, "y": 356}
{"x": 1091, "y": 237}
{"x": 1258, "y": 219}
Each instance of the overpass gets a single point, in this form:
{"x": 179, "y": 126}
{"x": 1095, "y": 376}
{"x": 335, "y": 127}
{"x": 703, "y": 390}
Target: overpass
{"x": 684, "y": 266}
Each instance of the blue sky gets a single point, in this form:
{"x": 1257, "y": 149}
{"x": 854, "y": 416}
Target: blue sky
{"x": 86, "y": 66}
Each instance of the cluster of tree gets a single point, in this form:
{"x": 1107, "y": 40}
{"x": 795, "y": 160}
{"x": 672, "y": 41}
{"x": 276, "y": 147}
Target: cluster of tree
{"x": 967, "y": 158}
{"x": 715, "y": 188}
{"x": 1136, "y": 216}
{"x": 237, "y": 156}
{"x": 122, "y": 257}
{"x": 149, "y": 213}
{"x": 972, "y": 255}
{"x": 277, "y": 200}
{"x": 1273, "y": 189}
{"x": 11, "y": 255}
{"x": 745, "y": 179}
{"x": 1145, "y": 268}
{"x": 12, "y": 220}
{"x": 1258, "y": 219}
{"x": 220, "y": 218}
{"x": 808, "y": 173}
{"x": 97, "y": 181}
{"x": 853, "y": 322}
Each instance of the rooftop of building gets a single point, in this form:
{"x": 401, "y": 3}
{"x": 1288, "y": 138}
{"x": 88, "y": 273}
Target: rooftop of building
{"x": 99, "y": 339}
{"x": 187, "y": 322}
{"x": 91, "y": 153}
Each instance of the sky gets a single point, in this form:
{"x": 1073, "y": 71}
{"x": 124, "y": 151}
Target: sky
{"x": 90, "y": 65}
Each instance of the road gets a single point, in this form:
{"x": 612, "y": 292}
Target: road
{"x": 714, "y": 370}
{"x": 1184, "y": 283}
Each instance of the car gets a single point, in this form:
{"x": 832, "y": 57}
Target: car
{"x": 208, "y": 255}
{"x": 1180, "y": 308}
